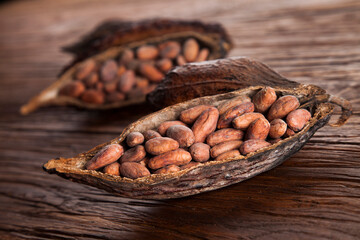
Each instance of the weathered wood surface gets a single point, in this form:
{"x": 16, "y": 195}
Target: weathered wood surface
{"x": 313, "y": 195}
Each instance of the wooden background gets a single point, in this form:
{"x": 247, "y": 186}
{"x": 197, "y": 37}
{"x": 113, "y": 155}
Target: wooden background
{"x": 313, "y": 195}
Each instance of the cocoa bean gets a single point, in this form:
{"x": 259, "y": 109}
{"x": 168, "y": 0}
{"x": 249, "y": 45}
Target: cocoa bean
{"x": 150, "y": 134}
{"x": 135, "y": 154}
{"x": 169, "y": 49}
{"x": 72, "y": 89}
{"x": 297, "y": 119}
{"x": 105, "y": 156}
{"x": 242, "y": 122}
{"x": 133, "y": 170}
{"x": 258, "y": 129}
{"x": 225, "y": 106}
{"x": 264, "y": 99}
{"x": 108, "y": 70}
{"x": 175, "y": 157}
{"x": 203, "y": 55}
{"x": 113, "y": 169}
{"x": 182, "y": 134}
{"x": 277, "y": 128}
{"x": 190, "y": 115}
{"x": 85, "y": 69}
{"x": 165, "y": 125}
{"x": 150, "y": 72}
{"x": 147, "y": 52}
{"x": 191, "y": 50}
{"x": 126, "y": 81}
{"x": 224, "y": 147}
{"x": 168, "y": 169}
{"x": 227, "y": 155}
{"x": 226, "y": 118}
{"x": 205, "y": 124}
{"x": 115, "y": 97}
{"x": 200, "y": 152}
{"x": 93, "y": 96}
{"x": 160, "y": 145}
{"x": 224, "y": 135}
{"x": 164, "y": 64}
{"x": 253, "y": 145}
{"x": 134, "y": 138}
{"x": 282, "y": 107}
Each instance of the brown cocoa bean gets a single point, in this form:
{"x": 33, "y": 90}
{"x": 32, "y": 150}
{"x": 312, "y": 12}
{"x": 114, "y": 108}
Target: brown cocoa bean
{"x": 150, "y": 134}
{"x": 115, "y": 97}
{"x": 230, "y": 154}
{"x": 145, "y": 161}
{"x": 121, "y": 70}
{"x": 191, "y": 50}
{"x": 175, "y": 157}
{"x": 105, "y": 156}
{"x": 110, "y": 87}
{"x": 134, "y": 138}
{"x": 149, "y": 88}
{"x": 203, "y": 55}
{"x": 189, "y": 165}
{"x": 167, "y": 169}
{"x": 200, "y": 152}
{"x": 147, "y": 52}
{"x": 126, "y": 57}
{"x": 164, "y": 64}
{"x": 180, "y": 60}
{"x": 224, "y": 147}
{"x": 91, "y": 80}
{"x": 134, "y": 65}
{"x": 135, "y": 93}
{"x": 297, "y": 119}
{"x": 160, "y": 145}
{"x": 224, "y": 135}
{"x": 190, "y": 115}
{"x": 165, "y": 125}
{"x": 108, "y": 70}
{"x": 264, "y": 99}
{"x": 232, "y": 103}
{"x": 126, "y": 81}
{"x": 99, "y": 86}
{"x": 258, "y": 129}
{"x": 226, "y": 118}
{"x": 113, "y": 169}
{"x": 253, "y": 145}
{"x": 277, "y": 128}
{"x": 72, "y": 89}
{"x": 289, "y": 132}
{"x": 169, "y": 49}
{"x": 282, "y": 107}
{"x": 133, "y": 170}
{"x": 85, "y": 69}
{"x": 242, "y": 122}
{"x": 93, "y": 96}
{"x": 135, "y": 154}
{"x": 205, "y": 124}
{"x": 150, "y": 72}
{"x": 182, "y": 134}
{"x": 273, "y": 141}
{"x": 141, "y": 82}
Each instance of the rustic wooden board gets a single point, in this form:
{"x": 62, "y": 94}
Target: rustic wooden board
{"x": 313, "y": 195}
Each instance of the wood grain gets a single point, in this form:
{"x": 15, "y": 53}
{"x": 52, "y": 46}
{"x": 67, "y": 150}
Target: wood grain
{"x": 313, "y": 195}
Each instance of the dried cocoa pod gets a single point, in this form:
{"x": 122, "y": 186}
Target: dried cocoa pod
{"x": 205, "y": 124}
{"x": 150, "y": 134}
{"x": 221, "y": 148}
{"x": 182, "y": 134}
{"x": 113, "y": 169}
{"x": 224, "y": 135}
{"x": 200, "y": 152}
{"x": 282, "y": 107}
{"x": 213, "y": 174}
{"x": 176, "y": 157}
{"x": 134, "y": 138}
{"x": 168, "y": 169}
{"x": 297, "y": 119}
{"x": 133, "y": 170}
{"x": 105, "y": 156}
{"x": 160, "y": 145}
{"x": 135, "y": 154}
{"x": 243, "y": 121}
{"x": 189, "y": 116}
{"x": 125, "y": 45}
{"x": 165, "y": 125}
{"x": 226, "y": 118}
{"x": 258, "y": 129}
{"x": 277, "y": 128}
{"x": 264, "y": 99}
{"x": 253, "y": 145}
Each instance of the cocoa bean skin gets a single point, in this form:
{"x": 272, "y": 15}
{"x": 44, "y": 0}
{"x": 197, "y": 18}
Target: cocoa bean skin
{"x": 190, "y": 115}
{"x": 242, "y": 122}
{"x": 200, "y": 152}
{"x": 297, "y": 119}
{"x": 134, "y": 138}
{"x": 165, "y": 125}
{"x": 264, "y": 99}
{"x": 191, "y": 50}
{"x": 253, "y": 145}
{"x": 226, "y": 155}
{"x": 224, "y": 135}
{"x": 72, "y": 89}
{"x": 150, "y": 134}
{"x": 168, "y": 169}
{"x": 147, "y": 52}
{"x": 258, "y": 129}
{"x": 135, "y": 154}
{"x": 126, "y": 81}
{"x": 93, "y": 96}
{"x": 108, "y": 71}
{"x": 113, "y": 169}
{"x": 226, "y": 118}
{"x": 176, "y": 157}
{"x": 182, "y": 134}
{"x": 105, "y": 156}
{"x": 85, "y": 69}
{"x": 133, "y": 170}
{"x": 224, "y": 147}
{"x": 277, "y": 128}
{"x": 205, "y": 124}
{"x": 282, "y": 107}
{"x": 232, "y": 103}
{"x": 160, "y": 145}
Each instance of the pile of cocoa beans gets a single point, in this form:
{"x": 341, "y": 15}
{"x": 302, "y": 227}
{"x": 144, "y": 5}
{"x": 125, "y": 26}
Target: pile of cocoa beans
{"x": 132, "y": 74}
{"x": 236, "y": 127}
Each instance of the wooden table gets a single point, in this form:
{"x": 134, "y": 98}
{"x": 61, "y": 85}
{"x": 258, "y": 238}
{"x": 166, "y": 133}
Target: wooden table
{"x": 313, "y": 195}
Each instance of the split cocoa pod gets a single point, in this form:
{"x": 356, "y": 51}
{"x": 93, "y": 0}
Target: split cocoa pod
{"x": 119, "y": 63}
{"x": 210, "y": 157}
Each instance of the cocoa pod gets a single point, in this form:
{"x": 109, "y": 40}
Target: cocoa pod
{"x": 205, "y": 124}
{"x": 135, "y": 154}
{"x": 297, "y": 119}
{"x": 200, "y": 152}
{"x": 224, "y": 147}
{"x": 282, "y": 107}
{"x": 227, "y": 117}
{"x": 160, "y": 145}
{"x": 175, "y": 157}
{"x": 113, "y": 169}
{"x": 277, "y": 128}
{"x": 134, "y": 138}
{"x": 264, "y": 99}
{"x": 182, "y": 134}
{"x": 168, "y": 169}
{"x": 164, "y": 65}
{"x": 105, "y": 156}
{"x": 224, "y": 135}
{"x": 165, "y": 125}
{"x": 190, "y": 115}
{"x": 258, "y": 129}
{"x": 253, "y": 145}
{"x": 133, "y": 170}
{"x": 243, "y": 121}
{"x": 150, "y": 134}
{"x": 227, "y": 155}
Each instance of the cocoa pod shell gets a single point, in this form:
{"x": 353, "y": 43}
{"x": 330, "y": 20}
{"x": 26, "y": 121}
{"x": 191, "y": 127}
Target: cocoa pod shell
{"x": 209, "y": 175}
